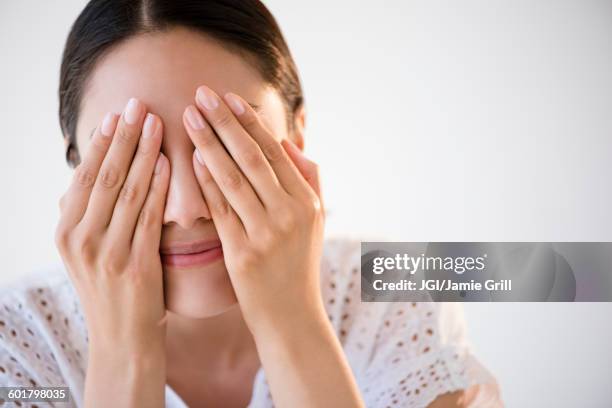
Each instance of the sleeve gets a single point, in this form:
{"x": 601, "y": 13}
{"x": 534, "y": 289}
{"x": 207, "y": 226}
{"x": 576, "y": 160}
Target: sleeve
{"x": 13, "y": 373}
{"x": 24, "y": 363}
{"x": 29, "y": 354}
{"x": 421, "y": 353}
{"x": 403, "y": 354}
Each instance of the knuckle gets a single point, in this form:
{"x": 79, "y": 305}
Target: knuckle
{"x": 273, "y": 151}
{"x": 252, "y": 159}
{"x": 147, "y": 218}
{"x": 311, "y": 206}
{"x": 222, "y": 120}
{"x": 129, "y": 193}
{"x": 232, "y": 179}
{"x": 135, "y": 266}
{"x": 267, "y": 240}
{"x": 221, "y": 207}
{"x": 111, "y": 261}
{"x": 125, "y": 136}
{"x": 250, "y": 121}
{"x": 249, "y": 257}
{"x": 317, "y": 204}
{"x": 87, "y": 248}
{"x": 111, "y": 266}
{"x": 62, "y": 237}
{"x": 206, "y": 179}
{"x": 134, "y": 270}
{"x": 100, "y": 144}
{"x": 206, "y": 139}
{"x": 286, "y": 220}
{"x": 84, "y": 176}
{"x": 108, "y": 177}
{"x": 145, "y": 149}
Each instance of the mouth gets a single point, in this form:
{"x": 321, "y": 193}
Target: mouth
{"x": 198, "y": 253}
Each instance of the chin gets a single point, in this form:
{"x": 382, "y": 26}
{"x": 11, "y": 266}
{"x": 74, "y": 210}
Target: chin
{"x": 198, "y": 293}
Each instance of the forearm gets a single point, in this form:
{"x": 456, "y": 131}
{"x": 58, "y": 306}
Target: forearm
{"x": 125, "y": 381}
{"x": 305, "y": 365}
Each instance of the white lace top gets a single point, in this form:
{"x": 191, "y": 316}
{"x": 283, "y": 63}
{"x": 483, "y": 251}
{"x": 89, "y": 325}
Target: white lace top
{"x": 402, "y": 354}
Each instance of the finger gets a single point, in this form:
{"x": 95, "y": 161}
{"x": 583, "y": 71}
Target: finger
{"x": 308, "y": 169}
{"x": 147, "y": 233}
{"x": 244, "y": 150}
{"x": 228, "y": 225}
{"x": 284, "y": 169}
{"x": 115, "y": 167}
{"x": 235, "y": 187}
{"x": 74, "y": 202}
{"x": 135, "y": 188}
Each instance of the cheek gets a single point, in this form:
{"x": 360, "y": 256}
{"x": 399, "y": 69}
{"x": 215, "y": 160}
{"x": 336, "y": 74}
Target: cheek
{"x": 82, "y": 144}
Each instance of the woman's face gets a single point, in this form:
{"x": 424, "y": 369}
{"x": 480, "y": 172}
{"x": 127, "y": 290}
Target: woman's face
{"x": 163, "y": 70}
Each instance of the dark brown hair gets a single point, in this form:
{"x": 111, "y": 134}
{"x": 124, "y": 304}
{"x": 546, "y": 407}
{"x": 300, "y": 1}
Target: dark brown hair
{"x": 246, "y": 26}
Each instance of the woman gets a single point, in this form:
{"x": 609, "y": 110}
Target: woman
{"x": 192, "y": 237}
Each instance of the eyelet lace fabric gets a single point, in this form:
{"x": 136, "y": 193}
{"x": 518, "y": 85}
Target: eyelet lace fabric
{"x": 402, "y": 354}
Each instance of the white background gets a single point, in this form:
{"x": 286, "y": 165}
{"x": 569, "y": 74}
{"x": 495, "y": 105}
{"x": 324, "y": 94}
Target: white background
{"x": 431, "y": 120}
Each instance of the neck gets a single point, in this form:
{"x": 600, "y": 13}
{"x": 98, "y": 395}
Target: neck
{"x": 223, "y": 339}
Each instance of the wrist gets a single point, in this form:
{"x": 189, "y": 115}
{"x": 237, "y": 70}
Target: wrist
{"x": 137, "y": 343}
{"x": 293, "y": 326}
{"x": 298, "y": 355}
{"x": 130, "y": 380}
{"x": 149, "y": 356}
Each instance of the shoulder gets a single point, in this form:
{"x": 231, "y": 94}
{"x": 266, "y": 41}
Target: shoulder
{"x": 42, "y": 331}
{"x": 45, "y": 299}
{"x": 408, "y": 352}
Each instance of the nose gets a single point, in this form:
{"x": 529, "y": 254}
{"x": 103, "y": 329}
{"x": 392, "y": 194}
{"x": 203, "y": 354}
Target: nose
{"x": 185, "y": 203}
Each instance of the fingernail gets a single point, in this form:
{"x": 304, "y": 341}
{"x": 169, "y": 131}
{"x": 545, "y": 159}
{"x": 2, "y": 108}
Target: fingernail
{"x": 132, "y": 111}
{"x": 199, "y": 157}
{"x": 150, "y": 126}
{"x": 107, "y": 124}
{"x": 207, "y": 98}
{"x": 234, "y": 103}
{"x": 159, "y": 164}
{"x": 194, "y": 117}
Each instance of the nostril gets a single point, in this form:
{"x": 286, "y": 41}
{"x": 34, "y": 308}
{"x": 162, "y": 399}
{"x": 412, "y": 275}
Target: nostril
{"x": 185, "y": 211}
{"x": 185, "y": 203}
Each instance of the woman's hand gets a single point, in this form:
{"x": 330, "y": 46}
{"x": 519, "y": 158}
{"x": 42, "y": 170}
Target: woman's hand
{"x": 269, "y": 219}
{"x": 108, "y": 236}
{"x": 265, "y": 201}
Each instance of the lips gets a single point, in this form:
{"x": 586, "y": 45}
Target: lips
{"x": 189, "y": 247}
{"x": 189, "y": 254}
